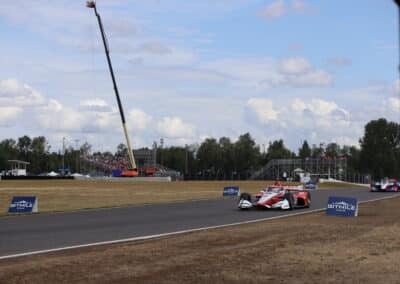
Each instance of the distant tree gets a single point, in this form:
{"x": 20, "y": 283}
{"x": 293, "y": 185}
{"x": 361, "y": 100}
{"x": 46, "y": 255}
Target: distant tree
{"x": 246, "y": 156}
{"x": 8, "y": 151}
{"x": 278, "y": 150}
{"x": 380, "y": 148}
{"x": 352, "y": 154}
{"x": 305, "y": 150}
{"x": 40, "y": 151}
{"x": 24, "y": 147}
{"x": 122, "y": 150}
{"x": 86, "y": 149}
{"x": 228, "y": 157}
{"x": 332, "y": 150}
{"x": 318, "y": 151}
{"x": 209, "y": 158}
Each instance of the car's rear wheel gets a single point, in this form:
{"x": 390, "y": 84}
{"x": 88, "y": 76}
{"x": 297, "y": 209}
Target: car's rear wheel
{"x": 245, "y": 196}
{"x": 308, "y": 202}
{"x": 289, "y": 198}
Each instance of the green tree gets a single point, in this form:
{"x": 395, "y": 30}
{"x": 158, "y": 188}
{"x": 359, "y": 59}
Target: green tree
{"x": 305, "y": 150}
{"x": 122, "y": 150}
{"x": 332, "y": 150}
{"x": 318, "y": 151}
{"x": 39, "y": 158}
{"x": 24, "y": 147}
{"x": 85, "y": 149}
{"x": 228, "y": 158}
{"x": 8, "y": 151}
{"x": 278, "y": 150}
{"x": 247, "y": 156}
{"x": 380, "y": 148}
{"x": 209, "y": 158}
{"x": 352, "y": 154}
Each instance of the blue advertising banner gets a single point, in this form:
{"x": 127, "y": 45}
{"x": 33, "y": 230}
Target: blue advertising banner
{"x": 342, "y": 206}
{"x": 231, "y": 191}
{"x": 23, "y": 204}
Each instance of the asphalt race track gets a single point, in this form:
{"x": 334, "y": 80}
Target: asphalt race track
{"x": 23, "y": 234}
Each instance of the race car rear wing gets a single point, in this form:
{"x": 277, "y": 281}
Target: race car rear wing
{"x": 289, "y": 187}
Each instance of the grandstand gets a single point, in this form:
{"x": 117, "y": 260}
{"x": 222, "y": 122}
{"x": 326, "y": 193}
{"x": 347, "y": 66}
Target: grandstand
{"x": 106, "y": 165}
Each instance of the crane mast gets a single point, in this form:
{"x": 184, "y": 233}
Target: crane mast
{"x": 133, "y": 170}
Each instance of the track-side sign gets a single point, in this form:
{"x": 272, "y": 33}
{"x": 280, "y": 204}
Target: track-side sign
{"x": 342, "y": 206}
{"x": 23, "y": 204}
{"x": 231, "y": 191}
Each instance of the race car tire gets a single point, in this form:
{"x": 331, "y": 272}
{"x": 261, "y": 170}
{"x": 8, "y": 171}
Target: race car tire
{"x": 289, "y": 198}
{"x": 245, "y": 196}
{"x": 308, "y": 200}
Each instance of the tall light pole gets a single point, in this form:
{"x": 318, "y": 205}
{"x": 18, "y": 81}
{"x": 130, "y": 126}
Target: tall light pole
{"x": 92, "y": 5}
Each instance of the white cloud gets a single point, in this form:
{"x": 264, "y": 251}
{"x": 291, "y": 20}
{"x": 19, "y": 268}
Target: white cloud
{"x": 10, "y": 88}
{"x": 153, "y": 47}
{"x": 274, "y": 10}
{"x": 139, "y": 120}
{"x": 12, "y": 92}
{"x": 174, "y": 127}
{"x": 9, "y": 115}
{"x": 317, "y": 120}
{"x": 279, "y": 8}
{"x": 295, "y": 65}
{"x": 396, "y": 87}
{"x": 263, "y": 110}
{"x": 300, "y": 73}
{"x": 97, "y": 105}
{"x": 394, "y": 104}
{"x": 249, "y": 72}
{"x": 314, "y": 78}
{"x": 59, "y": 118}
{"x": 266, "y": 73}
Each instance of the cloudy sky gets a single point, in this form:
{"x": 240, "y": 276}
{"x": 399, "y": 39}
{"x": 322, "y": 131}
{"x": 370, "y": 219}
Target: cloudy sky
{"x": 188, "y": 70}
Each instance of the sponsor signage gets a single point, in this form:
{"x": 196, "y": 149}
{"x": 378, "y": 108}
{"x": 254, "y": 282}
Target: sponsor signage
{"x": 231, "y": 191}
{"x": 342, "y": 206}
{"x": 23, "y": 204}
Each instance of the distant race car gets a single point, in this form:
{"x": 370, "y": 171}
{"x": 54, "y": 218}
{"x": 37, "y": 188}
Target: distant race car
{"x": 277, "y": 197}
{"x": 389, "y": 185}
{"x": 311, "y": 185}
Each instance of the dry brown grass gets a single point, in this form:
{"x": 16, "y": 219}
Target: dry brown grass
{"x": 312, "y": 248}
{"x": 69, "y": 195}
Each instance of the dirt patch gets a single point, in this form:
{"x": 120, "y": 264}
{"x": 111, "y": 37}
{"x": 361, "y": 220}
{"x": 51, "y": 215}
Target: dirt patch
{"x": 312, "y": 248}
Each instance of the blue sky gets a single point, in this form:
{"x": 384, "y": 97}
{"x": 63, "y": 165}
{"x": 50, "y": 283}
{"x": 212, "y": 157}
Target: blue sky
{"x": 188, "y": 70}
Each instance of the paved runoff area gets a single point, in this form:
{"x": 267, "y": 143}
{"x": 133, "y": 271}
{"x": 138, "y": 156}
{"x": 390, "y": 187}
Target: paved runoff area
{"x": 42, "y": 232}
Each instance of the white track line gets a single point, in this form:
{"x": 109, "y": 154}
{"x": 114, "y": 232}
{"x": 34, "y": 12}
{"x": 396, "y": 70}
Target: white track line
{"x": 175, "y": 233}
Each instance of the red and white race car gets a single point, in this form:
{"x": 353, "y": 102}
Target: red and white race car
{"x": 277, "y": 197}
{"x": 385, "y": 185}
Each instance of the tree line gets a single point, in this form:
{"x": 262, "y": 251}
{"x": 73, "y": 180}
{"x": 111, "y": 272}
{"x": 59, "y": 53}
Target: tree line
{"x": 378, "y": 154}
